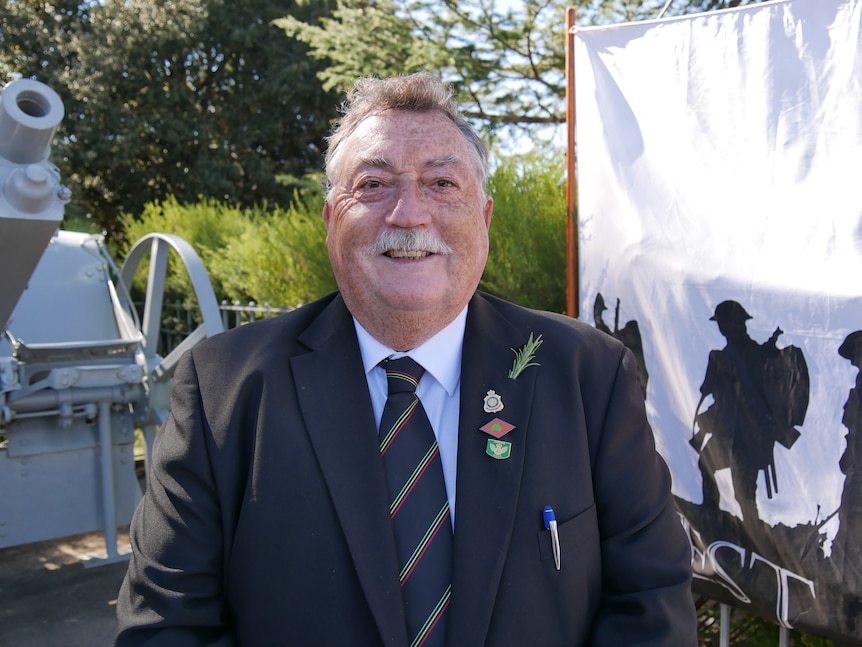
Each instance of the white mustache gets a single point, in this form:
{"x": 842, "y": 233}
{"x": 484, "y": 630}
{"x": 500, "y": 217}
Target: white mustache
{"x": 407, "y": 240}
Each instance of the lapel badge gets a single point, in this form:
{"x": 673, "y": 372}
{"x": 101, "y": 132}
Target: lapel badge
{"x": 497, "y": 428}
{"x": 493, "y": 402}
{"x": 499, "y": 449}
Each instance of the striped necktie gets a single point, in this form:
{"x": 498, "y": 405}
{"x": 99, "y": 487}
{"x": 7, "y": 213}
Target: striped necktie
{"x": 418, "y": 505}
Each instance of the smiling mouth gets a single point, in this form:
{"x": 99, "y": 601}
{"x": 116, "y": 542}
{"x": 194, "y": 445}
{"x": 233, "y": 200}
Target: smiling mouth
{"x": 403, "y": 253}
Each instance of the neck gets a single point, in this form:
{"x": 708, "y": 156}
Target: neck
{"x": 405, "y": 330}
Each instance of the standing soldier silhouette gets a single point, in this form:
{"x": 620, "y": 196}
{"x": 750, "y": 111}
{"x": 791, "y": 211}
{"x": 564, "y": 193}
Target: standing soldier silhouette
{"x": 850, "y": 515}
{"x": 760, "y": 396}
{"x": 630, "y": 335}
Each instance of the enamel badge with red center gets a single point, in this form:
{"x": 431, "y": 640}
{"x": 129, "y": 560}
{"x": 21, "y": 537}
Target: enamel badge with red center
{"x": 497, "y": 428}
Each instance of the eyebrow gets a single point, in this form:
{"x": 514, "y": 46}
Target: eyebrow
{"x": 443, "y": 161}
{"x": 375, "y": 161}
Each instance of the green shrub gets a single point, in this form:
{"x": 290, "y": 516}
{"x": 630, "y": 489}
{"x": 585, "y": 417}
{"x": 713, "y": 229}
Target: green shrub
{"x": 527, "y": 259}
{"x": 745, "y": 630}
{"x": 281, "y": 259}
{"x": 208, "y": 226}
{"x": 278, "y": 256}
{"x": 272, "y": 256}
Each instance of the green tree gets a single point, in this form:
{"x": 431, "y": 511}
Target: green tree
{"x": 695, "y": 6}
{"x": 187, "y": 98}
{"x": 527, "y": 256}
{"x": 505, "y": 64}
{"x": 505, "y": 60}
{"x": 33, "y": 35}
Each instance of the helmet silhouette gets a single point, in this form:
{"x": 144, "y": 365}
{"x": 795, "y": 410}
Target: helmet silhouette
{"x": 851, "y": 348}
{"x": 730, "y": 312}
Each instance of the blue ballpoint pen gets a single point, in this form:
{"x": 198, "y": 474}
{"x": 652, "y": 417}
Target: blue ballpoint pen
{"x": 551, "y": 524}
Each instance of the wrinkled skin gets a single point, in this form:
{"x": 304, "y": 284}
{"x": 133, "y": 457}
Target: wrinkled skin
{"x": 409, "y": 172}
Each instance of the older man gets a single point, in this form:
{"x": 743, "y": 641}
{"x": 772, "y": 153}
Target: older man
{"x": 303, "y": 494}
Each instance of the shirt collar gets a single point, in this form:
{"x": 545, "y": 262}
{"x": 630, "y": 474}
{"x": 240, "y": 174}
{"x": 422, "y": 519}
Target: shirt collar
{"x": 440, "y": 355}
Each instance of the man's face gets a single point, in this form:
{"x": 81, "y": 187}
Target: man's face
{"x": 403, "y": 174}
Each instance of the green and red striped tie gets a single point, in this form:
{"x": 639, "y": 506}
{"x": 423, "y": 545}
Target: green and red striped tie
{"x": 418, "y": 505}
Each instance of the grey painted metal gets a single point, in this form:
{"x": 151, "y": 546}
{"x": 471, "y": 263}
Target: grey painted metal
{"x": 158, "y": 246}
{"x": 31, "y": 198}
{"x": 106, "y": 469}
{"x": 49, "y": 402}
{"x": 75, "y": 380}
{"x": 152, "y": 319}
{"x": 58, "y": 493}
{"x": 724, "y": 634}
{"x": 30, "y": 112}
{"x": 78, "y": 370}
{"x": 66, "y": 402}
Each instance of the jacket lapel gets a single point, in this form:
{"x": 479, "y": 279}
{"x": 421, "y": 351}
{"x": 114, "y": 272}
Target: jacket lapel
{"x": 487, "y": 488}
{"x": 334, "y": 400}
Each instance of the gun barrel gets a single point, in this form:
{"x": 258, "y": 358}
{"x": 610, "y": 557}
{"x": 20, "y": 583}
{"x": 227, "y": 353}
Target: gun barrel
{"x": 31, "y": 203}
{"x": 30, "y": 112}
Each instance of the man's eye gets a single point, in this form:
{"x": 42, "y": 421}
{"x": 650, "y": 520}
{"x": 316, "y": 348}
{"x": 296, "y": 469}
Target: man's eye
{"x": 370, "y": 184}
{"x": 443, "y": 183}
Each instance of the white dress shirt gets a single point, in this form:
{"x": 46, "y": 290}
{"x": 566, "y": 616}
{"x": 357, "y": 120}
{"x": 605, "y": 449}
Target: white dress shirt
{"x": 439, "y": 389}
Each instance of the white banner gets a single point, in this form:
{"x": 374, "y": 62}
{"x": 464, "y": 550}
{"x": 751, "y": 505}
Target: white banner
{"x": 720, "y": 217}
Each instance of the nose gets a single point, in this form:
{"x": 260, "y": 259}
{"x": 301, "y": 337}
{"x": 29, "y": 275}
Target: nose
{"x": 411, "y": 207}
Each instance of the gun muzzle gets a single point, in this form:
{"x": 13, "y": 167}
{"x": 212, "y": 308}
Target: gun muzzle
{"x": 30, "y": 112}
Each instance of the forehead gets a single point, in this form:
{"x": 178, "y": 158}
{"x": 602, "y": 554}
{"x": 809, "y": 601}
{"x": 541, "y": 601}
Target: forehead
{"x": 401, "y": 138}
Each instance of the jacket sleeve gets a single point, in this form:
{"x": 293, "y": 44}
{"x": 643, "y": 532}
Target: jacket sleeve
{"x": 173, "y": 591}
{"x": 646, "y": 557}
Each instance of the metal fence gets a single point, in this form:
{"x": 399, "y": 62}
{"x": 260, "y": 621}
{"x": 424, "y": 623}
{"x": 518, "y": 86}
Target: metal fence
{"x": 179, "y": 320}
{"x": 234, "y": 314}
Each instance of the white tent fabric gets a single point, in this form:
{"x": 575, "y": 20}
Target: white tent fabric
{"x": 720, "y": 159}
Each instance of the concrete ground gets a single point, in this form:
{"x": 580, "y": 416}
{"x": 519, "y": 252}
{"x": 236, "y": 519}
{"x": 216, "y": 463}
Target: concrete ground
{"x": 49, "y": 598}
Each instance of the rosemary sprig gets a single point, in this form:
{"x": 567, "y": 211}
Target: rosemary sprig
{"x": 524, "y": 356}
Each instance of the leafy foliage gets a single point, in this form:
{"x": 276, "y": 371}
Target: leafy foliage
{"x": 612, "y": 12}
{"x": 695, "y": 6}
{"x": 209, "y": 226}
{"x": 504, "y": 59}
{"x": 187, "y": 98}
{"x": 745, "y": 630}
{"x": 377, "y": 42}
{"x": 203, "y": 99}
{"x": 278, "y": 255}
{"x": 506, "y": 65}
{"x": 33, "y": 35}
{"x": 280, "y": 260}
{"x": 272, "y": 255}
{"x": 527, "y": 258}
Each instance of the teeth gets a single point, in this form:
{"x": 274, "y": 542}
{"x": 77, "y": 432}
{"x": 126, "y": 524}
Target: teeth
{"x": 400, "y": 253}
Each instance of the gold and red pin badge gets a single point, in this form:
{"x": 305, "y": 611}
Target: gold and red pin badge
{"x": 496, "y": 428}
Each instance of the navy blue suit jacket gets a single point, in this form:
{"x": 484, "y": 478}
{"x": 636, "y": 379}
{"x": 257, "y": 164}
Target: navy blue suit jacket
{"x": 266, "y": 518}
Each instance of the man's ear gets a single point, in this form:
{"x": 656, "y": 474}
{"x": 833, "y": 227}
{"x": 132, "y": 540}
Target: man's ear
{"x": 327, "y": 212}
{"x": 487, "y": 211}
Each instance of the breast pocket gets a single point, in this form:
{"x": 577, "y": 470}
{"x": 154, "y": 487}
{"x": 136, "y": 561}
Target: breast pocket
{"x": 578, "y": 535}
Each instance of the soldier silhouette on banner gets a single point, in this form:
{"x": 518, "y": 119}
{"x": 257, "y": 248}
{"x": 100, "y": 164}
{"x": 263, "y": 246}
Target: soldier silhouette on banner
{"x": 850, "y": 515}
{"x": 760, "y": 395}
{"x": 630, "y": 335}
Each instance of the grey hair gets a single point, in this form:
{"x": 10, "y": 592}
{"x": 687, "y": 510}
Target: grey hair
{"x": 420, "y": 92}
